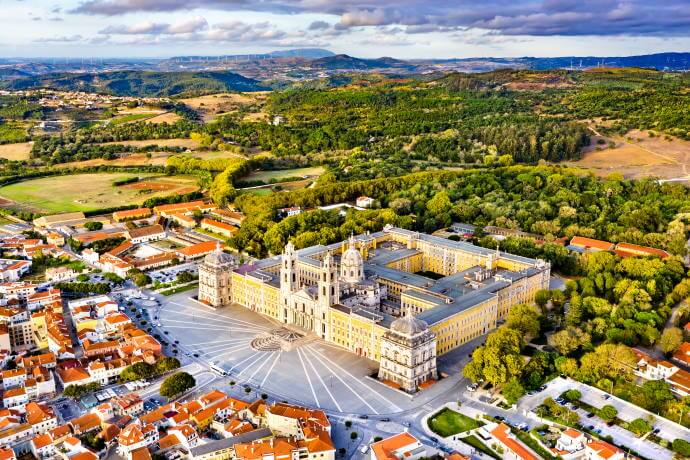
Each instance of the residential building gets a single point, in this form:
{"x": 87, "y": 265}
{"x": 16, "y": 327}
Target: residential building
{"x": 364, "y": 202}
{"x": 218, "y": 227}
{"x": 183, "y": 220}
{"x": 145, "y": 234}
{"x": 166, "y": 210}
{"x": 402, "y": 446}
{"x": 196, "y": 250}
{"x": 12, "y": 270}
{"x": 512, "y": 447}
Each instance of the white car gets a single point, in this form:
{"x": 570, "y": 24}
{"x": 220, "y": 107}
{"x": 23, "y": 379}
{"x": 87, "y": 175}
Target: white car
{"x": 364, "y": 449}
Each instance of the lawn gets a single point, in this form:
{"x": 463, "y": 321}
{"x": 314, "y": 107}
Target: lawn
{"x": 177, "y": 290}
{"x": 448, "y": 422}
{"x": 85, "y": 192}
{"x": 480, "y": 446}
{"x": 259, "y": 191}
{"x": 267, "y": 176}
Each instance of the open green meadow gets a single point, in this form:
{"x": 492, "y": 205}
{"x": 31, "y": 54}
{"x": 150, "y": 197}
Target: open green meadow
{"x": 267, "y": 176}
{"x": 448, "y": 423}
{"x": 87, "y": 192}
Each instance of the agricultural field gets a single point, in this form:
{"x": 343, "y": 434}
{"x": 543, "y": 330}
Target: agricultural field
{"x": 184, "y": 143}
{"x": 16, "y": 152}
{"x": 130, "y": 118}
{"x": 636, "y": 155}
{"x": 86, "y": 192}
{"x": 167, "y": 117}
{"x": 140, "y": 159}
{"x": 268, "y": 176}
{"x": 12, "y": 131}
{"x": 213, "y": 105}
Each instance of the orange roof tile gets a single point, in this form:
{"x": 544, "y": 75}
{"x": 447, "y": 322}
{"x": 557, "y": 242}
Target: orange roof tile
{"x": 383, "y": 450}
{"x": 591, "y": 243}
{"x": 502, "y": 433}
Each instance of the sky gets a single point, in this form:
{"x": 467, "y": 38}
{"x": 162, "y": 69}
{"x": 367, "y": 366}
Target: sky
{"x": 363, "y": 28}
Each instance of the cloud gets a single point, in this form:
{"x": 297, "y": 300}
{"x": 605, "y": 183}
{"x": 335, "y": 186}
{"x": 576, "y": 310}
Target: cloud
{"x": 507, "y": 17}
{"x": 319, "y": 25}
{"x": 186, "y": 26}
{"x": 62, "y": 39}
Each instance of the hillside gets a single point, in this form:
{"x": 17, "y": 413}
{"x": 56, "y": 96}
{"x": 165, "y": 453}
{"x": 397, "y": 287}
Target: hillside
{"x": 137, "y": 83}
{"x": 345, "y": 62}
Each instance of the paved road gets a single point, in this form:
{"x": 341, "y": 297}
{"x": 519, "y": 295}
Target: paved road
{"x": 626, "y": 411}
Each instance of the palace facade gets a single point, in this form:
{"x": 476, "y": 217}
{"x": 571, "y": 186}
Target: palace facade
{"x": 398, "y": 297}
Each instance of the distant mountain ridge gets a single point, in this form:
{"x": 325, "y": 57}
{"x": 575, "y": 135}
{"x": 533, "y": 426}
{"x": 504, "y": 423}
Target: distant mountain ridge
{"x": 307, "y": 53}
{"x": 347, "y": 62}
{"x": 139, "y": 83}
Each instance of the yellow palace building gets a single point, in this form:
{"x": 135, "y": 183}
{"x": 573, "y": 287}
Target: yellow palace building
{"x": 397, "y": 296}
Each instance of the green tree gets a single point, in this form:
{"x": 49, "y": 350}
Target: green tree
{"x": 542, "y": 297}
{"x": 671, "y": 339}
{"x": 524, "y": 318}
{"x": 93, "y": 225}
{"x": 639, "y": 426}
{"x": 166, "y": 364}
{"x": 177, "y": 384}
{"x": 608, "y": 413}
{"x": 439, "y": 204}
{"x": 573, "y": 395}
{"x": 682, "y": 447}
{"x": 137, "y": 371}
{"x": 569, "y": 340}
{"x": 513, "y": 391}
{"x": 499, "y": 360}
{"x": 654, "y": 395}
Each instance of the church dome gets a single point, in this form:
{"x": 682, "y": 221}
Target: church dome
{"x": 351, "y": 258}
{"x": 352, "y": 264}
{"x": 218, "y": 258}
{"x": 409, "y": 326}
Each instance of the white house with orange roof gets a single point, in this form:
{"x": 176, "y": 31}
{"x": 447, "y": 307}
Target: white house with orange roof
{"x": 402, "y": 446}
{"x": 73, "y": 376}
{"x": 513, "y": 449}
{"x": 135, "y": 436}
{"x": 41, "y": 417}
{"x": 42, "y": 446}
{"x": 12, "y": 270}
{"x": 186, "y": 433}
{"x": 570, "y": 445}
{"x": 289, "y": 420}
{"x": 15, "y": 398}
{"x": 12, "y": 378}
{"x": 601, "y": 450}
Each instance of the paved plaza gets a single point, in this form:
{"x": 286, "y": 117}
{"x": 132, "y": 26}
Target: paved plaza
{"x": 285, "y": 363}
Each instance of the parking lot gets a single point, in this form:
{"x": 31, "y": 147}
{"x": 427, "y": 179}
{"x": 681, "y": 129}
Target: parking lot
{"x": 626, "y": 411}
{"x": 169, "y": 274}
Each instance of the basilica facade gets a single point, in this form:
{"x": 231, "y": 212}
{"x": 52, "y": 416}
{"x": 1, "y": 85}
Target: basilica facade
{"x": 398, "y": 297}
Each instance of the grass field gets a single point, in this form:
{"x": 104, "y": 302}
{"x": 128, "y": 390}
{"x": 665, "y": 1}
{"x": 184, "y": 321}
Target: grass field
{"x": 480, "y": 446}
{"x": 16, "y": 152}
{"x": 12, "y": 131}
{"x": 637, "y": 155}
{"x": 448, "y": 422}
{"x": 214, "y": 105}
{"x": 130, "y": 117}
{"x": 86, "y": 192}
{"x": 267, "y": 176}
